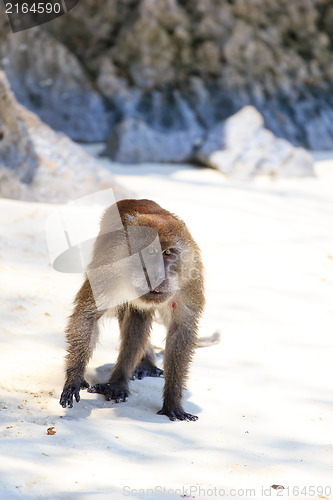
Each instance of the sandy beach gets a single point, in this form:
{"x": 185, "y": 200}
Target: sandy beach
{"x": 263, "y": 394}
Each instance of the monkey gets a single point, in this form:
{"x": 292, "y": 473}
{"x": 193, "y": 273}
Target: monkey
{"x": 144, "y": 261}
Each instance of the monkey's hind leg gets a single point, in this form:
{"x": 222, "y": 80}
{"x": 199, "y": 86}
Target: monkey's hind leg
{"x": 135, "y": 329}
{"x": 147, "y": 366}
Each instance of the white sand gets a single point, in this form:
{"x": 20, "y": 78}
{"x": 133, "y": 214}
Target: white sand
{"x": 264, "y": 395}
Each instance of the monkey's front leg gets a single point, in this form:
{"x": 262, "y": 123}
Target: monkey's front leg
{"x": 135, "y": 328}
{"x": 81, "y": 335}
{"x": 179, "y": 348}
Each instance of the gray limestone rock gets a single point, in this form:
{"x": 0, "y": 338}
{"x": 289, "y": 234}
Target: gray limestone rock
{"x": 133, "y": 141}
{"x": 171, "y": 134}
{"x": 111, "y": 61}
{"x": 38, "y": 164}
{"x": 50, "y": 81}
{"x": 241, "y": 147}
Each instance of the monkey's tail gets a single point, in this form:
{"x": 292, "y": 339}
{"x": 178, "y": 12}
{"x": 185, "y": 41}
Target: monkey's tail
{"x": 210, "y": 340}
{"x": 201, "y": 342}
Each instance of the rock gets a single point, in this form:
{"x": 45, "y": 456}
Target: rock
{"x": 16, "y": 146}
{"x": 319, "y": 129}
{"x": 38, "y": 164}
{"x": 104, "y": 63}
{"x": 133, "y": 141}
{"x": 171, "y": 134}
{"x": 221, "y": 56}
{"x": 241, "y": 147}
{"x": 201, "y": 101}
{"x": 47, "y": 79}
{"x": 10, "y": 186}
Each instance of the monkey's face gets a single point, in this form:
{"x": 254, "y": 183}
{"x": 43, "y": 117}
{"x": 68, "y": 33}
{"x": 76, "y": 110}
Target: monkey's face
{"x": 154, "y": 274}
{"x": 168, "y": 258}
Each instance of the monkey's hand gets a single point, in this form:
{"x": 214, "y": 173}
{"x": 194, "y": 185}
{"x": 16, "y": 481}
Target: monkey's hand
{"x": 70, "y": 390}
{"x": 146, "y": 369}
{"x": 111, "y": 390}
{"x": 177, "y": 414}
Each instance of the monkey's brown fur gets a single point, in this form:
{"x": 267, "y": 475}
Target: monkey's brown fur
{"x": 179, "y": 298}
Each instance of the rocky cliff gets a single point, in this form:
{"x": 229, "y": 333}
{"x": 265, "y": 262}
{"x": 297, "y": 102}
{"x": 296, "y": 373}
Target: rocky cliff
{"x": 174, "y": 66}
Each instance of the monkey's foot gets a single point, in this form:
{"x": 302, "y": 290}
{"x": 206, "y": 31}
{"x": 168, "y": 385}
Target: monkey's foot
{"x": 146, "y": 369}
{"x": 70, "y": 390}
{"x": 178, "y": 414}
{"x": 111, "y": 390}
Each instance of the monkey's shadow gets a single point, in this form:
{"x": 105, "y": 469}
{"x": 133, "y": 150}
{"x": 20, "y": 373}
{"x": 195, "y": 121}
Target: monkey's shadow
{"x": 143, "y": 403}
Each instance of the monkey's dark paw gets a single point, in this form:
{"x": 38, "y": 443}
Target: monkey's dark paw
{"x": 145, "y": 369}
{"x": 178, "y": 414}
{"x": 70, "y": 391}
{"x": 111, "y": 390}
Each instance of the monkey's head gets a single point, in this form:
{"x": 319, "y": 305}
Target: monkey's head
{"x": 149, "y": 259}
{"x": 159, "y": 241}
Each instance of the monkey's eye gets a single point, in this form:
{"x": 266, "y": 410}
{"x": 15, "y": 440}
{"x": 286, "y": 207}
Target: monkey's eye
{"x": 167, "y": 251}
{"x": 152, "y": 251}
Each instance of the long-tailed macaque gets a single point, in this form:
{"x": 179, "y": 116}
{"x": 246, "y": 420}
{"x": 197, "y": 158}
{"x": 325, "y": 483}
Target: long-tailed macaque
{"x": 144, "y": 260}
